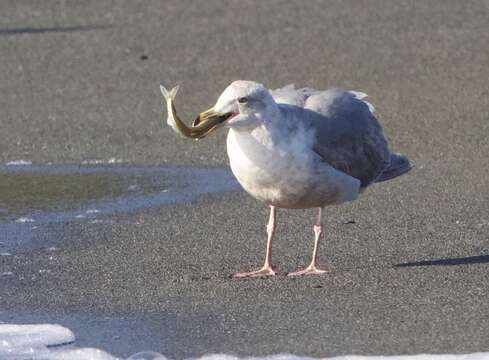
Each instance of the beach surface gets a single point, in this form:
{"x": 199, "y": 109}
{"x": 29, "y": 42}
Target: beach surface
{"x": 135, "y": 255}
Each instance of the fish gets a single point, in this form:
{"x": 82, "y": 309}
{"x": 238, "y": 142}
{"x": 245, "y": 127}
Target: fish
{"x": 198, "y": 130}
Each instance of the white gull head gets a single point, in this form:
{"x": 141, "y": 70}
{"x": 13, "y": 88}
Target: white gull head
{"x": 250, "y": 102}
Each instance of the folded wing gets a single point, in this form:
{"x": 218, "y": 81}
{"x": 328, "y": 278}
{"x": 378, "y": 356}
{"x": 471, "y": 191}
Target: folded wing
{"x": 348, "y": 136}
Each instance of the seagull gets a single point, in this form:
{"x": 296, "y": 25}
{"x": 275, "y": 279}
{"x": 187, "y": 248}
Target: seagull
{"x": 297, "y": 149}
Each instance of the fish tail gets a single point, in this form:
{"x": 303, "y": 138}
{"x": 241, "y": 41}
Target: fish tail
{"x": 169, "y": 95}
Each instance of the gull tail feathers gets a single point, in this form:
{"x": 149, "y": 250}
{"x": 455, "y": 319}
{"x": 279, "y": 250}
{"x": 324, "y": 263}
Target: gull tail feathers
{"x": 398, "y": 165}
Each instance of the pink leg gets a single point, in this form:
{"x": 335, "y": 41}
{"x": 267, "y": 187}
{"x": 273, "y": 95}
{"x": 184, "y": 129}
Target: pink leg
{"x": 312, "y": 269}
{"x": 267, "y": 269}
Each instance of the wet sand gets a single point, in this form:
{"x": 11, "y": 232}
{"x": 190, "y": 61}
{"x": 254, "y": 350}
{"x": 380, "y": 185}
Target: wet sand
{"x": 408, "y": 263}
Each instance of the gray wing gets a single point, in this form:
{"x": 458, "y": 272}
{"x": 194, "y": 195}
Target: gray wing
{"x": 348, "y": 136}
{"x": 291, "y": 96}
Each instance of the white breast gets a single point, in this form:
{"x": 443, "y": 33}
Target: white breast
{"x": 286, "y": 173}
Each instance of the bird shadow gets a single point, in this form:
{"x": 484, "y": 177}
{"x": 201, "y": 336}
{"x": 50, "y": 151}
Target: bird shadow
{"x": 468, "y": 260}
{"x": 42, "y": 30}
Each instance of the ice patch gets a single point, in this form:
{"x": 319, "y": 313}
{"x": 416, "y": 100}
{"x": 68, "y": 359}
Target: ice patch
{"x": 50, "y": 342}
{"x": 19, "y": 162}
{"x": 31, "y": 341}
{"x": 79, "y": 354}
{"x": 180, "y": 184}
{"x": 24, "y": 220}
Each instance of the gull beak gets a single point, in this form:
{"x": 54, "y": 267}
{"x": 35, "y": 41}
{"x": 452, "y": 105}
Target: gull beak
{"x": 208, "y": 121}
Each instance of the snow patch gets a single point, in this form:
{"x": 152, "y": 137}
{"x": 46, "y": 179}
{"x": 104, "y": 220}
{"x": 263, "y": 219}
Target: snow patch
{"x": 80, "y": 354}
{"x": 31, "y": 341}
{"x": 46, "y": 342}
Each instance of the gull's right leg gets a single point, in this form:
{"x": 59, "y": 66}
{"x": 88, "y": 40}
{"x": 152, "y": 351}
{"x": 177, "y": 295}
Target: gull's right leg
{"x": 267, "y": 269}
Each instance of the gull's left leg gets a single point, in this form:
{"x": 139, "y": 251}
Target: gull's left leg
{"x": 312, "y": 269}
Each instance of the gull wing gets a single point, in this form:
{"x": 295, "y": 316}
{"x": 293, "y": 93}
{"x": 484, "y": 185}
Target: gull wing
{"x": 291, "y": 96}
{"x": 348, "y": 136}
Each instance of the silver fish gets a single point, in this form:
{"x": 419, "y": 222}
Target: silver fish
{"x": 203, "y": 125}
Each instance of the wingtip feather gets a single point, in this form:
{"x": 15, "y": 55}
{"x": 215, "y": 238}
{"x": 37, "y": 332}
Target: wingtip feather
{"x": 361, "y": 96}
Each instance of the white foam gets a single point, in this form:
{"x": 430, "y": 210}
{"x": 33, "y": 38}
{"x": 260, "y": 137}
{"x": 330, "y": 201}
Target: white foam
{"x": 45, "y": 342}
{"x": 19, "y": 162}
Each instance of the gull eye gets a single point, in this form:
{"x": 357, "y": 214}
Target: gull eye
{"x": 243, "y": 100}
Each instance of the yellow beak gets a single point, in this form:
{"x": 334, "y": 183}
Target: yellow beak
{"x": 208, "y": 121}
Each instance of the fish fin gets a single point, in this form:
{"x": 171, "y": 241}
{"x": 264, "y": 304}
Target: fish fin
{"x": 169, "y": 95}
